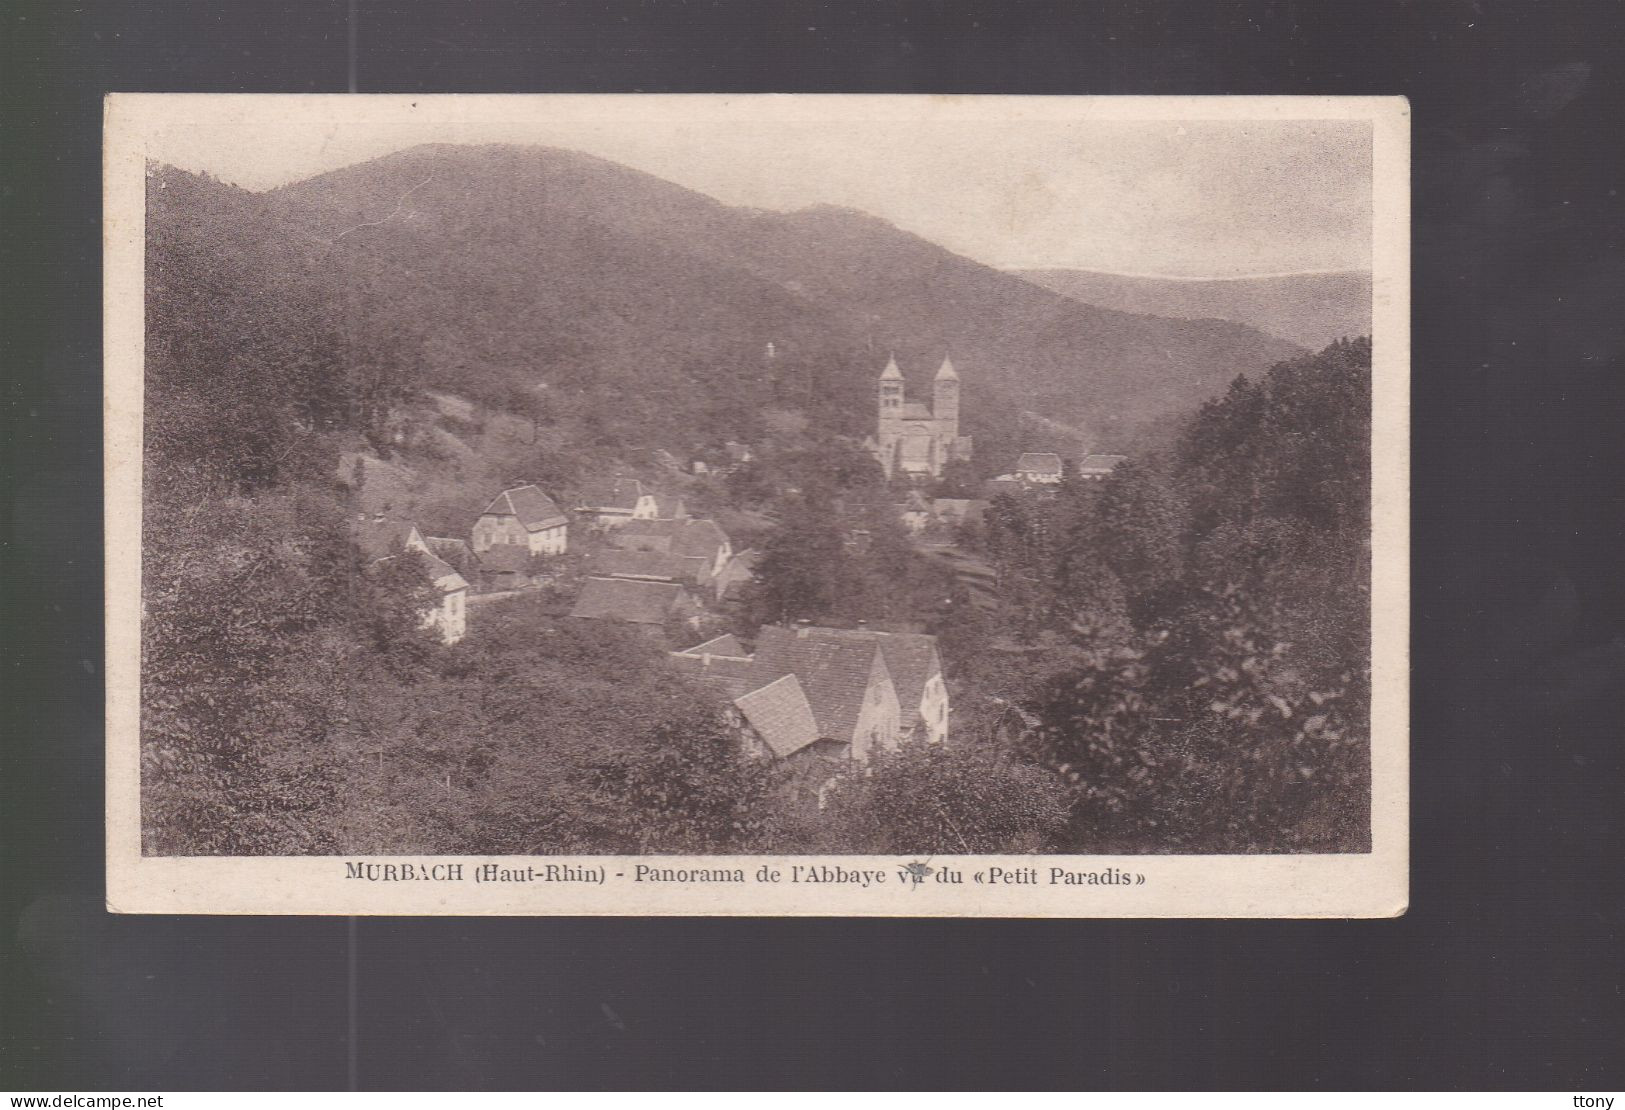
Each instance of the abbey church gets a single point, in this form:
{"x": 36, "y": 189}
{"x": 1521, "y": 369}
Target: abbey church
{"x": 917, "y": 439}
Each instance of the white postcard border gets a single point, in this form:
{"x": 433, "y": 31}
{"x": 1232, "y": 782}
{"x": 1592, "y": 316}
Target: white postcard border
{"x": 1375, "y": 884}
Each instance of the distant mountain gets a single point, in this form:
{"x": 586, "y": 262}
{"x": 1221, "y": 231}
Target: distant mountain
{"x": 1310, "y": 309}
{"x": 644, "y": 309}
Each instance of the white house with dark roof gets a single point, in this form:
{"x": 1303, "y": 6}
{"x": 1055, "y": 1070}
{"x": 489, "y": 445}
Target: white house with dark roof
{"x": 915, "y": 667}
{"x": 381, "y": 541}
{"x": 1041, "y": 467}
{"x": 847, "y": 683}
{"x": 523, "y": 516}
{"x": 612, "y": 502}
{"x": 690, "y": 539}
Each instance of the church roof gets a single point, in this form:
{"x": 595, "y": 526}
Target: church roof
{"x": 946, "y": 372}
{"x": 916, "y": 411}
{"x": 891, "y": 373}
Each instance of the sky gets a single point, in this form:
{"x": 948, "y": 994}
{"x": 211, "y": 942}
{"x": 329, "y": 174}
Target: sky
{"x": 1010, "y": 182}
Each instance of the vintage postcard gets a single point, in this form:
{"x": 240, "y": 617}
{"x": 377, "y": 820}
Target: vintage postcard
{"x": 768, "y": 505}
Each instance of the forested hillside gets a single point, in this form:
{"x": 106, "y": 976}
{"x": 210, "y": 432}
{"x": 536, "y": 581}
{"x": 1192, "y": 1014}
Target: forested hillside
{"x": 644, "y": 309}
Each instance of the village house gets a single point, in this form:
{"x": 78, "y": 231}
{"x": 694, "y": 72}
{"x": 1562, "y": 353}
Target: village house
{"x": 723, "y": 666}
{"x": 1038, "y": 468}
{"x": 773, "y": 718}
{"x": 455, "y": 552}
{"x": 646, "y": 605}
{"x": 522, "y": 516}
{"x": 915, "y": 667}
{"x": 612, "y": 502}
{"x": 1094, "y": 468}
{"x": 655, "y": 565}
{"x": 383, "y": 541}
{"x": 821, "y": 699}
{"x": 847, "y": 683}
{"x": 688, "y": 538}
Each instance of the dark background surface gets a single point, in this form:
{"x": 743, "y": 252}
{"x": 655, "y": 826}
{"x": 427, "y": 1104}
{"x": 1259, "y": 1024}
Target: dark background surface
{"x": 1505, "y": 974}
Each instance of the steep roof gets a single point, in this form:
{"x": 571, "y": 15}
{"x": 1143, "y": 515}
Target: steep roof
{"x": 449, "y": 548}
{"x": 916, "y": 411}
{"x": 611, "y": 493}
{"x": 946, "y": 372}
{"x": 1039, "y": 462}
{"x": 534, "y": 508}
{"x": 732, "y": 674}
{"x": 726, "y": 644}
{"x": 911, "y": 659}
{"x": 628, "y": 599}
{"x": 379, "y": 539}
{"x": 836, "y": 674}
{"x": 1100, "y": 464}
{"x": 781, "y": 715}
{"x": 891, "y": 373}
{"x": 445, "y": 576}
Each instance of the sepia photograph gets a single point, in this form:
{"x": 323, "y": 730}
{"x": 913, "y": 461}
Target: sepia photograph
{"x": 616, "y": 504}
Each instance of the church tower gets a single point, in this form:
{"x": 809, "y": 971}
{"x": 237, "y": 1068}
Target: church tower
{"x": 945, "y": 404}
{"x": 891, "y": 403}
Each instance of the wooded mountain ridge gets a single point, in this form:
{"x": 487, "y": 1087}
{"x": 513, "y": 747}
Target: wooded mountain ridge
{"x": 646, "y": 308}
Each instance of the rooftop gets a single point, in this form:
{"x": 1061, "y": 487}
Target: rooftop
{"x": 534, "y": 508}
{"x": 379, "y": 539}
{"x": 726, "y": 644}
{"x": 611, "y": 493}
{"x": 911, "y": 658}
{"x": 781, "y": 715}
{"x": 628, "y": 599}
{"x": 835, "y": 674}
